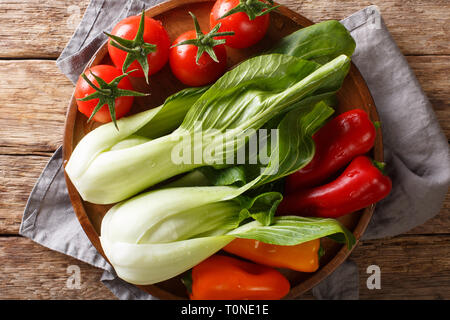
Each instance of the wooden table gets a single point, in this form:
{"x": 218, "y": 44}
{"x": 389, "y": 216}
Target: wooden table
{"x": 33, "y": 100}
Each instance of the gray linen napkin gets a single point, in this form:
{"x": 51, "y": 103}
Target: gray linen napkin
{"x": 417, "y": 151}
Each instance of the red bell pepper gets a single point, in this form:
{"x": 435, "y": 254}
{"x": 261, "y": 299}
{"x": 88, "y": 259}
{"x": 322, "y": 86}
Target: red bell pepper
{"x": 348, "y": 135}
{"x": 226, "y": 278}
{"x": 361, "y": 184}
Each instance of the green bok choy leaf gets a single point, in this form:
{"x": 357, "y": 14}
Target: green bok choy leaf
{"x": 321, "y": 42}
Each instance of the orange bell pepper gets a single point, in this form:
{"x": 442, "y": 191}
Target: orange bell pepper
{"x": 303, "y": 257}
{"x": 226, "y": 278}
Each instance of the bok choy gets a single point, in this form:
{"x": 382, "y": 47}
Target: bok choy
{"x": 162, "y": 233}
{"x": 245, "y": 98}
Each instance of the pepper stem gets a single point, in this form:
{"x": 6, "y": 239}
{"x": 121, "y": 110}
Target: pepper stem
{"x": 205, "y": 42}
{"x": 187, "y": 281}
{"x": 107, "y": 93}
{"x": 321, "y": 252}
{"x": 380, "y": 166}
{"x": 253, "y": 8}
{"x": 376, "y": 124}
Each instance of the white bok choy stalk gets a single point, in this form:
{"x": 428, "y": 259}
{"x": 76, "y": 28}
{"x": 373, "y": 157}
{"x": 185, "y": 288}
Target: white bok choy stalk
{"x": 147, "y": 244}
{"x": 133, "y": 131}
{"x": 243, "y": 99}
{"x": 162, "y": 233}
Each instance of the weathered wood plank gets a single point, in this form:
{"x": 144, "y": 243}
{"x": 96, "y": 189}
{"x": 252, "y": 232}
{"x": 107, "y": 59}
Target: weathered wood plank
{"x": 30, "y": 271}
{"x": 418, "y": 26}
{"x": 18, "y": 175}
{"x": 412, "y": 267}
{"x": 41, "y": 28}
{"x": 34, "y": 97}
{"x": 38, "y": 28}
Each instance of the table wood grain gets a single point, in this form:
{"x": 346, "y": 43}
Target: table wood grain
{"x": 33, "y": 101}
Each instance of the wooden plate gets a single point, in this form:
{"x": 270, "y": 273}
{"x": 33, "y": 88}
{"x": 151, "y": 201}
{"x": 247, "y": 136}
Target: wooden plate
{"x": 175, "y": 18}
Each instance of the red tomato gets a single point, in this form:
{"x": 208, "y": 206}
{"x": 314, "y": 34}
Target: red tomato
{"x": 83, "y": 89}
{"x": 154, "y": 33}
{"x": 247, "y": 32}
{"x": 182, "y": 61}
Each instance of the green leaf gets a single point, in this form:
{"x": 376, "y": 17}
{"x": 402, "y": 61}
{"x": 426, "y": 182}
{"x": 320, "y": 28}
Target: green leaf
{"x": 321, "y": 42}
{"x": 172, "y": 113}
{"x": 231, "y": 176}
{"x": 262, "y": 207}
{"x": 293, "y": 230}
{"x": 296, "y": 147}
{"x": 242, "y": 95}
{"x": 258, "y": 90}
{"x": 293, "y": 150}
